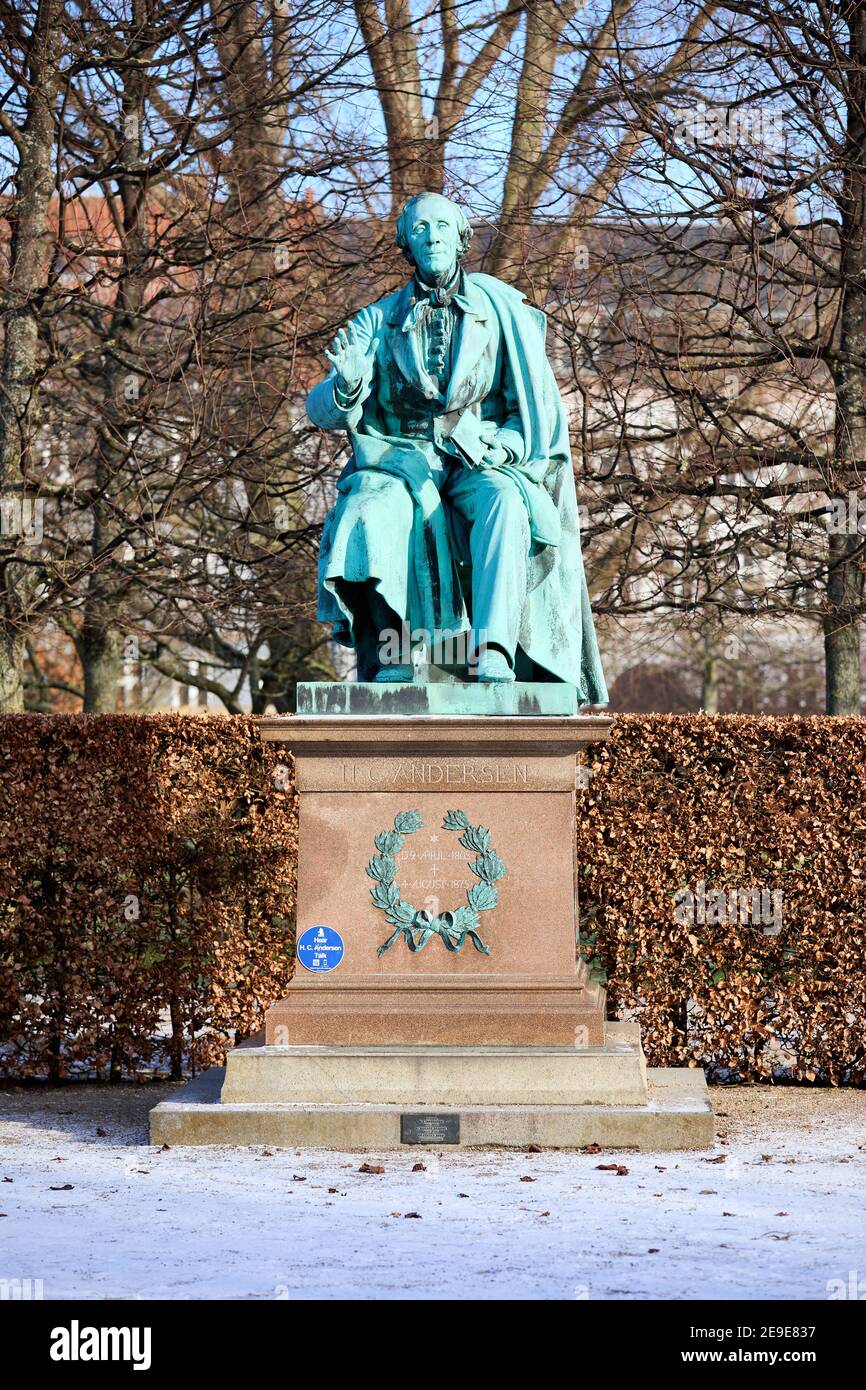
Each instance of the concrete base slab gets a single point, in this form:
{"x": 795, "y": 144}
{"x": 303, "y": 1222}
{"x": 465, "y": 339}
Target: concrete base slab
{"x": 678, "y": 1115}
{"x": 413, "y": 1077}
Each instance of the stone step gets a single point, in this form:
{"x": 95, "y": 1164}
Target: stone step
{"x": 677, "y": 1116}
{"x": 412, "y": 1076}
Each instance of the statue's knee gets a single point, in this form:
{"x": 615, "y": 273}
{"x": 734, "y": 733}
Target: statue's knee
{"x": 503, "y": 503}
{"x": 387, "y": 496}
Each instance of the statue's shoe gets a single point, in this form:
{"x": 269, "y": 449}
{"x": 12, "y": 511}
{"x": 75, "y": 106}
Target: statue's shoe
{"x": 493, "y": 666}
{"x": 389, "y": 675}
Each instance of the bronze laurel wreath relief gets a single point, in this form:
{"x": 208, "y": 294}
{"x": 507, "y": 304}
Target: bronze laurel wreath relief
{"x": 417, "y": 927}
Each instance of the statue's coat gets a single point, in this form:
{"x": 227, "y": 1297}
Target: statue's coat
{"x": 498, "y": 327}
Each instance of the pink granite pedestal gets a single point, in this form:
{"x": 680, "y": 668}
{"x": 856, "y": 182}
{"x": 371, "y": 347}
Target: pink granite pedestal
{"x": 515, "y": 776}
{"x": 439, "y": 1047}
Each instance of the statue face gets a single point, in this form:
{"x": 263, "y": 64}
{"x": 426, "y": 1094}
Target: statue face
{"x": 434, "y": 237}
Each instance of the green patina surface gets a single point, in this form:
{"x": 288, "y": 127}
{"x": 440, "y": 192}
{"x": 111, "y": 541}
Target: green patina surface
{"x": 456, "y": 515}
{"x": 402, "y": 699}
{"x": 415, "y": 926}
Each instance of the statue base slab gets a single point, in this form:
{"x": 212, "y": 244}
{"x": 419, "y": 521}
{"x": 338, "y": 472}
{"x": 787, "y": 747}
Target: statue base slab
{"x": 677, "y": 1116}
{"x": 614, "y": 1074}
{"x": 442, "y": 696}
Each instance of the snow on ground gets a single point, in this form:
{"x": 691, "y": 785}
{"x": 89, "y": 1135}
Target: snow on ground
{"x": 94, "y": 1212}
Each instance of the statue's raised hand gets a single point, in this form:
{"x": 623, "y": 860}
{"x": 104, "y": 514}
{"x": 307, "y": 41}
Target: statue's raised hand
{"x": 352, "y": 360}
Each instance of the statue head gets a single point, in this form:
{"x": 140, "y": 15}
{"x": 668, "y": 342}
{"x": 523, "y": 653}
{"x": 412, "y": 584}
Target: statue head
{"x": 433, "y": 233}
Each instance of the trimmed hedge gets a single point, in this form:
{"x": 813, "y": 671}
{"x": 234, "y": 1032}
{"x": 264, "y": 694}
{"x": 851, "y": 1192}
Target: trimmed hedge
{"x": 147, "y": 879}
{"x": 736, "y": 803}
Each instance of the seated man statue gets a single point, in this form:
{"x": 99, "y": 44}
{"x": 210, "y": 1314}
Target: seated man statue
{"x": 456, "y": 516}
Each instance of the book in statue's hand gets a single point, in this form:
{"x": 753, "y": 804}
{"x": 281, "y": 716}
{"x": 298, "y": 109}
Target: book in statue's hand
{"x": 472, "y": 443}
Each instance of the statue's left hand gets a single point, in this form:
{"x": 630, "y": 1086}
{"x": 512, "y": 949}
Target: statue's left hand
{"x": 496, "y": 454}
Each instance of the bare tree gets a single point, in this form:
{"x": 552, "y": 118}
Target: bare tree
{"x": 747, "y": 313}
{"x": 29, "y": 52}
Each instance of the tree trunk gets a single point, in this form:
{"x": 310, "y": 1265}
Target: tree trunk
{"x": 845, "y": 577}
{"x": 100, "y": 640}
{"x": 507, "y": 254}
{"x": 392, "y": 48}
{"x": 29, "y": 268}
{"x": 842, "y": 626}
{"x": 175, "y": 1044}
{"x": 710, "y": 687}
{"x": 99, "y": 652}
{"x": 12, "y": 649}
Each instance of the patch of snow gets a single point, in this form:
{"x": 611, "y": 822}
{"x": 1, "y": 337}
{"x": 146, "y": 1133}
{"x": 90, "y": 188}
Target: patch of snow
{"x": 781, "y": 1217}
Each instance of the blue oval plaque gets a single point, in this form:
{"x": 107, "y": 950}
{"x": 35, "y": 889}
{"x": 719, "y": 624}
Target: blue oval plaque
{"x": 320, "y": 948}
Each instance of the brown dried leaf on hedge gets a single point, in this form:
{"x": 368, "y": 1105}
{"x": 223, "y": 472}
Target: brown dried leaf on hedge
{"x": 146, "y": 873}
{"x": 737, "y": 802}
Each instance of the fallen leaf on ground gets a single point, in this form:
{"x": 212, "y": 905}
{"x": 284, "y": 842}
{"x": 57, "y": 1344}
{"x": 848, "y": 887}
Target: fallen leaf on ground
{"x": 65, "y": 1187}
{"x": 371, "y": 1168}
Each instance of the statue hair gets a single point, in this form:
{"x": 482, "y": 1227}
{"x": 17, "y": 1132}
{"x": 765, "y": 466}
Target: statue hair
{"x": 401, "y": 231}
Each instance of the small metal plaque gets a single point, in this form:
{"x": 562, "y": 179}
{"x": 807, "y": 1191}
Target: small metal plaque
{"x": 429, "y": 1129}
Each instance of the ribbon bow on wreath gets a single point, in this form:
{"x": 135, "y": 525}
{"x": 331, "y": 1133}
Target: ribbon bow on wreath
{"x": 417, "y": 927}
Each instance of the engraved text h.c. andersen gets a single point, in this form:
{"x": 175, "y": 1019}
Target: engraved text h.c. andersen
{"x": 434, "y": 774}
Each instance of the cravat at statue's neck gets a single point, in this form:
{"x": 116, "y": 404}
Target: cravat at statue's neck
{"x": 439, "y": 294}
